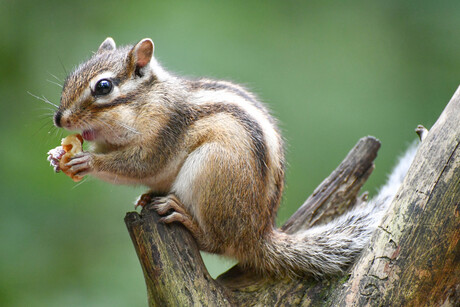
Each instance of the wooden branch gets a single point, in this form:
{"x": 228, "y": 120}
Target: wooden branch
{"x": 339, "y": 191}
{"x": 415, "y": 254}
{"x": 412, "y": 259}
{"x": 174, "y": 271}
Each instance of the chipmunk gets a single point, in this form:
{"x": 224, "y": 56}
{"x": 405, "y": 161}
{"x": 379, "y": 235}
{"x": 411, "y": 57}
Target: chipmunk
{"x": 214, "y": 152}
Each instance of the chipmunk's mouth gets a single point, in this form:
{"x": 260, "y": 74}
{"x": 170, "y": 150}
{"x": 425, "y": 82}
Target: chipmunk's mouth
{"x": 97, "y": 136}
{"x": 89, "y": 134}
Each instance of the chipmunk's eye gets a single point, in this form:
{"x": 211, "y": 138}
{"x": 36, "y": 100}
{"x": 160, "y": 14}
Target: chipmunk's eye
{"x": 103, "y": 87}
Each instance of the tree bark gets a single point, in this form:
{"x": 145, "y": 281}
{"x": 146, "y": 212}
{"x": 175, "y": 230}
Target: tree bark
{"x": 413, "y": 258}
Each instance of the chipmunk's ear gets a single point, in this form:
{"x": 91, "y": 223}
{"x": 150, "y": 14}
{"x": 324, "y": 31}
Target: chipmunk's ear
{"x": 107, "y": 45}
{"x": 142, "y": 53}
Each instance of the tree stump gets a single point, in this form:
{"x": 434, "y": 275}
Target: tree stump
{"x": 413, "y": 258}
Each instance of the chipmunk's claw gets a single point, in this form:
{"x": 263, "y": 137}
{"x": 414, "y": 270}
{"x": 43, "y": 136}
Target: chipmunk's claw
{"x": 54, "y": 156}
{"x": 167, "y": 203}
{"x": 143, "y": 200}
{"x": 172, "y": 210}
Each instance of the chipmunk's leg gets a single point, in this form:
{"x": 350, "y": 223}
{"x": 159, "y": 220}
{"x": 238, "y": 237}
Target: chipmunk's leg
{"x": 165, "y": 204}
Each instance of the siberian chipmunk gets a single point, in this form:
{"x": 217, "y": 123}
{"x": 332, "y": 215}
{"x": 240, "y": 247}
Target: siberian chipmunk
{"x": 215, "y": 153}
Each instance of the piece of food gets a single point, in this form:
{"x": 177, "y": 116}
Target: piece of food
{"x": 61, "y": 155}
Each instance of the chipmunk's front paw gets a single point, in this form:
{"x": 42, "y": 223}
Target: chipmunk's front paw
{"x": 81, "y": 164}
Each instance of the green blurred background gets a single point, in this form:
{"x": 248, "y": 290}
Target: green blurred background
{"x": 332, "y": 72}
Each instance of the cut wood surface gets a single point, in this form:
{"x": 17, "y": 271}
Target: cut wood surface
{"x": 413, "y": 259}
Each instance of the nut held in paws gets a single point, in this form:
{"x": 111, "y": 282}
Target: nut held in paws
{"x": 59, "y": 156}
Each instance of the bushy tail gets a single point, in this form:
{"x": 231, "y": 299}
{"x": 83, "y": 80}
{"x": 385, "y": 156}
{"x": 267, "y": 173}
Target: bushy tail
{"x": 388, "y": 191}
{"x": 329, "y": 249}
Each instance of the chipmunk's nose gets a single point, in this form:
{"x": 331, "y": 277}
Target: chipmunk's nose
{"x": 57, "y": 118}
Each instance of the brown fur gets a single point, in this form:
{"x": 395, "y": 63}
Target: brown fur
{"x": 239, "y": 190}
{"x": 211, "y": 146}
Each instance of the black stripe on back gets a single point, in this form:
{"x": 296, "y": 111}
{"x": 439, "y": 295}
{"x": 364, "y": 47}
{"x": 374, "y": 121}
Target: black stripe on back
{"x": 169, "y": 137}
{"x": 216, "y": 85}
{"x": 180, "y": 120}
{"x": 250, "y": 125}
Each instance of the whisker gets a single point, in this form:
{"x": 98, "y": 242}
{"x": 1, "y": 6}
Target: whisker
{"x": 44, "y": 125}
{"x": 50, "y": 81}
{"x": 52, "y": 128}
{"x": 46, "y": 115}
{"x": 133, "y": 130}
{"x": 78, "y": 184}
{"x": 50, "y": 102}
{"x": 41, "y": 128}
{"x": 46, "y": 108}
{"x": 62, "y": 64}
{"x": 55, "y": 77}
{"x": 43, "y": 99}
{"x": 58, "y": 133}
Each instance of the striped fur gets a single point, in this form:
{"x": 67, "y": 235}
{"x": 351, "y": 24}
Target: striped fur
{"x": 211, "y": 144}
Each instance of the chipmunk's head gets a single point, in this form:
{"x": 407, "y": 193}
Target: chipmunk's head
{"x": 101, "y": 95}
